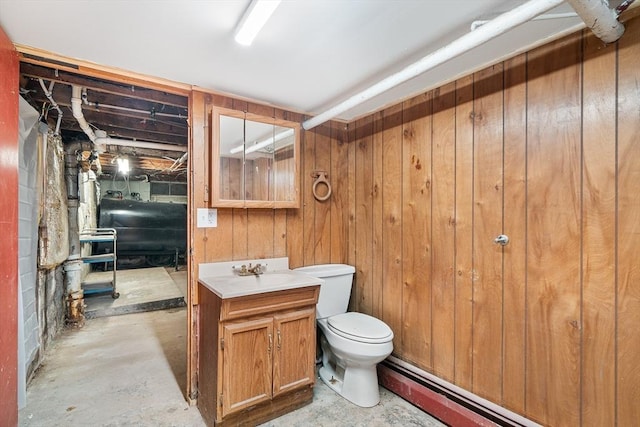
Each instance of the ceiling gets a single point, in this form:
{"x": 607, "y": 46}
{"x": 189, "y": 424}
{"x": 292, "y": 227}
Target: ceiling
{"x": 311, "y": 54}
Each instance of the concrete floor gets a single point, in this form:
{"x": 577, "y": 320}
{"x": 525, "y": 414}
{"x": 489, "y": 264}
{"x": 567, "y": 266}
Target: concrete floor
{"x": 142, "y": 289}
{"x": 130, "y": 370}
{"x": 115, "y": 371}
{"x": 329, "y": 409}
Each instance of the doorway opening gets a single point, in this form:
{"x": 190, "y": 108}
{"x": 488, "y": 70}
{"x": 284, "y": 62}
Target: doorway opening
{"x": 122, "y": 145}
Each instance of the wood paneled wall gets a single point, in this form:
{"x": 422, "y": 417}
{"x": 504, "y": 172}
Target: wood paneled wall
{"x": 545, "y": 149}
{"x": 316, "y": 233}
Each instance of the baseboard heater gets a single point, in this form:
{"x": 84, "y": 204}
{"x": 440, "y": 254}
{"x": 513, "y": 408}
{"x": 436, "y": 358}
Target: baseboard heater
{"x": 445, "y": 401}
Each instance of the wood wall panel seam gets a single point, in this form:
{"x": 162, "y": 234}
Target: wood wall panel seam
{"x": 377, "y": 215}
{"x": 463, "y": 272}
{"x": 598, "y": 231}
{"x": 628, "y": 219}
{"x": 488, "y": 146}
{"x": 514, "y": 257}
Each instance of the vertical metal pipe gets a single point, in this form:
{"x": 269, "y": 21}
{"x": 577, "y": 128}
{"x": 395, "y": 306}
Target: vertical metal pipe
{"x": 71, "y": 178}
{"x": 73, "y": 265}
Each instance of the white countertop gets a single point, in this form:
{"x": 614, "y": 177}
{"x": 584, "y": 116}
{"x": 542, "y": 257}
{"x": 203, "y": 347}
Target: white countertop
{"x": 237, "y": 286}
{"x": 226, "y": 268}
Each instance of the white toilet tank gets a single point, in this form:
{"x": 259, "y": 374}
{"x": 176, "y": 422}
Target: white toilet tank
{"x": 335, "y": 293}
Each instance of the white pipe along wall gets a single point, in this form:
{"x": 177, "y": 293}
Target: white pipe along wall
{"x": 480, "y": 22}
{"x": 592, "y": 10}
{"x": 490, "y": 30}
{"x": 102, "y": 140}
{"x": 598, "y": 17}
{"x": 76, "y": 109}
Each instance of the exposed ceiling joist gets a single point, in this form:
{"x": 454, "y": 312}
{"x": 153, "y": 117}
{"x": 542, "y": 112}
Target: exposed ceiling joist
{"x": 123, "y": 111}
{"x": 129, "y": 91}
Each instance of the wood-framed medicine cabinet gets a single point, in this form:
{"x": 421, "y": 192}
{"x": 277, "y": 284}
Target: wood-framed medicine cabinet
{"x": 255, "y": 161}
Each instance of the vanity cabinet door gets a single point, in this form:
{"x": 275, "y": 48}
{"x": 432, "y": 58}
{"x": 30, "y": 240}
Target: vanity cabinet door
{"x": 247, "y": 364}
{"x": 256, "y": 354}
{"x": 294, "y": 353}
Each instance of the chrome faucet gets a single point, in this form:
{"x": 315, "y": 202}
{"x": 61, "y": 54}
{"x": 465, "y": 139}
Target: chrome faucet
{"x": 242, "y": 271}
{"x": 256, "y": 269}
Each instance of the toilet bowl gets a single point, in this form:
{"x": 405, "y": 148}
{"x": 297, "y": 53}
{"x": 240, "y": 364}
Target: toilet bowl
{"x": 352, "y": 343}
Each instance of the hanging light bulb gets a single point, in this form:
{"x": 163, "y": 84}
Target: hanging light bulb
{"x": 123, "y": 165}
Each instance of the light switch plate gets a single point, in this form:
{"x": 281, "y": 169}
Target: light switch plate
{"x": 207, "y": 218}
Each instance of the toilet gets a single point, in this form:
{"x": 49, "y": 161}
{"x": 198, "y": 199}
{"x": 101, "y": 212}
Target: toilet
{"x": 352, "y": 343}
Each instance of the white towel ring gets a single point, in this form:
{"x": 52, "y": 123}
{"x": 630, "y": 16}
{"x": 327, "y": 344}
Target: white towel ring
{"x": 321, "y": 178}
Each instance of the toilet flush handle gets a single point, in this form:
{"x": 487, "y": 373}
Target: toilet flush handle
{"x": 502, "y": 240}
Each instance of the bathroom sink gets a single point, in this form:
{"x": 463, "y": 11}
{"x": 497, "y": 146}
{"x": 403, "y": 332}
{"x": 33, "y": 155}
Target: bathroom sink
{"x": 230, "y": 285}
{"x": 269, "y": 279}
{"x": 262, "y": 280}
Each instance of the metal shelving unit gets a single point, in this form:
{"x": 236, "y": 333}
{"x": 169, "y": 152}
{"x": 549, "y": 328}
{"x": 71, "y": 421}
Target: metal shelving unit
{"x": 101, "y": 235}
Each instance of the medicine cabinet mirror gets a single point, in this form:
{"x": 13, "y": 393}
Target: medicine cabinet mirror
{"x": 254, "y": 161}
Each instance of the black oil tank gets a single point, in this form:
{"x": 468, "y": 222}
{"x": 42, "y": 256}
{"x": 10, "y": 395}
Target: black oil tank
{"x": 145, "y": 228}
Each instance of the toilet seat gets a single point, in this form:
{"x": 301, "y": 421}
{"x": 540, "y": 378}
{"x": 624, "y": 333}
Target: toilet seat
{"x": 360, "y": 327}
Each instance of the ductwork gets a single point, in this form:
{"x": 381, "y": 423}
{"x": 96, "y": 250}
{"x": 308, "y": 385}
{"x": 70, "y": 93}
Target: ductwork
{"x": 598, "y": 17}
{"x": 100, "y": 138}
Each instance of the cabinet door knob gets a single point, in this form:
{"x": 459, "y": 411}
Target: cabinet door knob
{"x": 502, "y": 240}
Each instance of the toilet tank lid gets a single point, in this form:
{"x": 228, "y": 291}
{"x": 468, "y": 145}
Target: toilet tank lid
{"x": 326, "y": 270}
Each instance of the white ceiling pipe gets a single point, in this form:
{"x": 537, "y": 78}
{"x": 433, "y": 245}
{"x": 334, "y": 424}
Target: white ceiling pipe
{"x": 141, "y": 144}
{"x": 100, "y": 138}
{"x": 597, "y": 16}
{"x": 85, "y": 101}
{"x": 483, "y": 34}
{"x": 479, "y": 23}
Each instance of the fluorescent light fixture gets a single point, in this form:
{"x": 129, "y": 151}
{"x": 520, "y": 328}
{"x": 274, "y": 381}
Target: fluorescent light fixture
{"x": 123, "y": 165}
{"x": 254, "y": 19}
{"x": 237, "y": 149}
{"x": 259, "y": 145}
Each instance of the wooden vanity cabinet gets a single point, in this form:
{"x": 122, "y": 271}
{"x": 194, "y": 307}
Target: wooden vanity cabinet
{"x": 256, "y": 355}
